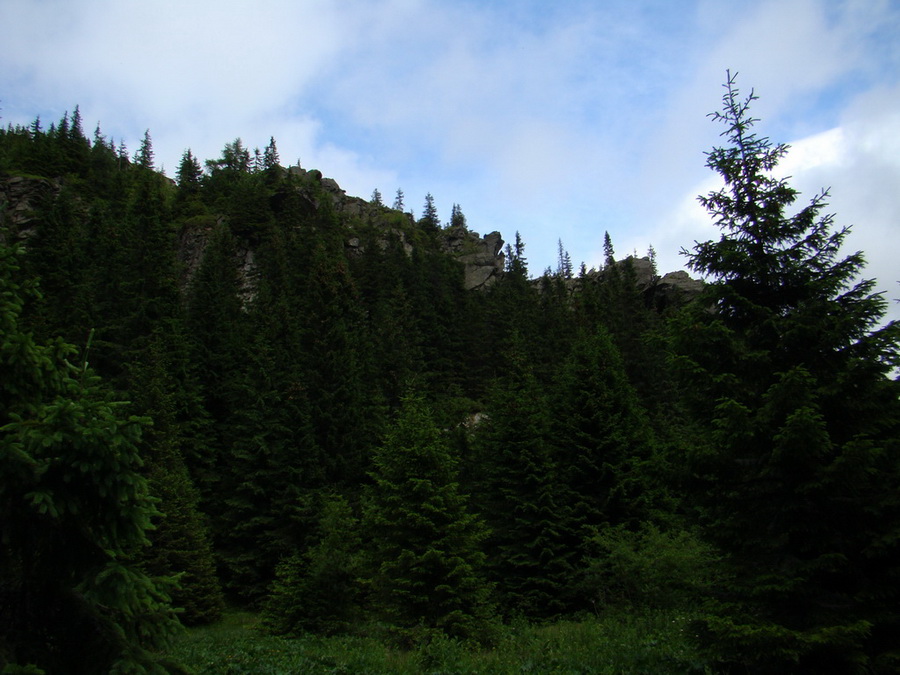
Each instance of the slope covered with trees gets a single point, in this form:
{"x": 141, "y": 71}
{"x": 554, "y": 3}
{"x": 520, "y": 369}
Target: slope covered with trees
{"x": 326, "y": 424}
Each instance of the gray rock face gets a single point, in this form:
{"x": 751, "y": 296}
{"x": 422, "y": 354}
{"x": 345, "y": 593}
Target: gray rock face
{"x": 192, "y": 245}
{"x": 643, "y": 271}
{"x": 22, "y": 195}
{"x": 682, "y": 282}
{"x": 481, "y": 256}
{"x": 676, "y": 288}
{"x": 672, "y": 289}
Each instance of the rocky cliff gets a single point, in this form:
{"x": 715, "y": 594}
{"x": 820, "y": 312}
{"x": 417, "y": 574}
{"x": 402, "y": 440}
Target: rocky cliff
{"x": 481, "y": 257}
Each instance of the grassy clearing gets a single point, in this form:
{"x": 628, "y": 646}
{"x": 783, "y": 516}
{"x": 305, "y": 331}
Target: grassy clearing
{"x": 654, "y": 643}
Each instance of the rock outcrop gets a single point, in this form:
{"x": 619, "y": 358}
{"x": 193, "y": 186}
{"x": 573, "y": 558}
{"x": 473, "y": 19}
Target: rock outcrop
{"x": 676, "y": 288}
{"x": 671, "y": 290}
{"x": 481, "y": 257}
{"x": 20, "y": 196}
{"x": 192, "y": 246}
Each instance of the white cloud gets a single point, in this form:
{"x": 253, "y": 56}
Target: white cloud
{"x": 561, "y": 120}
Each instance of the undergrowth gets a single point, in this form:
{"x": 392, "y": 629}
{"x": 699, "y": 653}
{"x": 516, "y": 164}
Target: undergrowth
{"x": 656, "y": 643}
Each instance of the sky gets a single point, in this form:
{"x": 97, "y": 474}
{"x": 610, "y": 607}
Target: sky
{"x": 558, "y": 120}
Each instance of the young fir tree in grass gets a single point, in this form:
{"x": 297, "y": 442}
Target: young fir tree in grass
{"x": 797, "y": 479}
{"x": 74, "y": 511}
{"x": 427, "y": 564}
{"x": 319, "y": 591}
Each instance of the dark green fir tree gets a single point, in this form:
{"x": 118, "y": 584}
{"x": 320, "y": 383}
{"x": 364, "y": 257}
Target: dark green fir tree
{"x": 521, "y": 495}
{"x": 796, "y": 481}
{"x": 427, "y": 565}
{"x": 74, "y": 511}
{"x": 180, "y": 541}
{"x": 319, "y": 591}
{"x": 605, "y": 445}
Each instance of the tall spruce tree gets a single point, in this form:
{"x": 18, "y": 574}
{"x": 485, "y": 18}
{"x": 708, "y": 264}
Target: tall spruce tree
{"x": 521, "y": 495}
{"x": 256, "y": 393}
{"x": 144, "y": 156}
{"x": 429, "y": 219}
{"x": 797, "y": 478}
{"x": 398, "y": 201}
{"x": 189, "y": 174}
{"x": 181, "y": 545}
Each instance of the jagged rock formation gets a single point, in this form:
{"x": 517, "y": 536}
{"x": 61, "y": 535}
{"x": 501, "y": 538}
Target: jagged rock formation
{"x": 676, "y": 288}
{"x": 481, "y": 256}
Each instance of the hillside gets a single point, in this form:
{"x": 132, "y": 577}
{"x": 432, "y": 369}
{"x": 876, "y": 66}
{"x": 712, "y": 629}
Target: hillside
{"x": 355, "y": 422}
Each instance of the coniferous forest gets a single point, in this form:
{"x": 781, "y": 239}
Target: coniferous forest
{"x": 241, "y": 391}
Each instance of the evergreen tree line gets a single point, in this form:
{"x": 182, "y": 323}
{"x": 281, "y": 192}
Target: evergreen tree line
{"x": 209, "y": 397}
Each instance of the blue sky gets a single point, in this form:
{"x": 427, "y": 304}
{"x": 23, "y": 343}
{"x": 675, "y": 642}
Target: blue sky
{"x": 560, "y": 120}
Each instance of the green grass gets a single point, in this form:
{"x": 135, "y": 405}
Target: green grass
{"x": 654, "y": 643}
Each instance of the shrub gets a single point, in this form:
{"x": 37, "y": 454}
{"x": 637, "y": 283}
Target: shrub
{"x": 649, "y": 567}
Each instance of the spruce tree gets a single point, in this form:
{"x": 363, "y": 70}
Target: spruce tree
{"x": 457, "y": 217}
{"x": 514, "y": 300}
{"x": 609, "y": 253}
{"x": 429, "y": 219}
{"x": 144, "y": 156}
{"x": 398, "y": 201}
{"x": 189, "y": 173}
{"x": 181, "y": 546}
{"x": 797, "y": 478}
{"x": 254, "y": 379}
{"x": 319, "y": 591}
{"x": 336, "y": 360}
{"x": 74, "y": 510}
{"x": 521, "y": 495}
{"x": 427, "y": 565}
{"x": 270, "y": 155}
{"x": 604, "y": 440}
